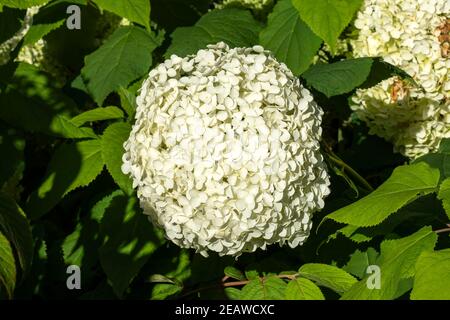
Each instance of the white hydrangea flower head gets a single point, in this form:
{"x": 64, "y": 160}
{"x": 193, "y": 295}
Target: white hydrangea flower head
{"x": 256, "y": 5}
{"x": 225, "y": 153}
{"x": 414, "y": 36}
{"x": 9, "y": 45}
{"x": 398, "y": 112}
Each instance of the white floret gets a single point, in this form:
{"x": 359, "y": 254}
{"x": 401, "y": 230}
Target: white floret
{"x": 224, "y": 151}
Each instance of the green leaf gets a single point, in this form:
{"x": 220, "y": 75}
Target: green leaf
{"x": 432, "y": 280}
{"x": 418, "y": 210}
{"x": 134, "y": 10}
{"x": 270, "y": 288}
{"x": 396, "y": 262}
{"x": 303, "y": 289}
{"x": 7, "y": 267}
{"x": 339, "y": 77}
{"x": 328, "y": 276}
{"x": 289, "y": 38}
{"x": 129, "y": 242}
{"x": 12, "y": 149}
{"x": 15, "y": 227}
{"x": 162, "y": 291}
{"x": 444, "y": 195}
{"x": 406, "y": 184}
{"x": 382, "y": 70}
{"x": 22, "y": 4}
{"x": 112, "y": 150}
{"x": 439, "y": 159}
{"x": 327, "y": 18}
{"x": 234, "y": 273}
{"x": 127, "y": 100}
{"x": 233, "y": 293}
{"x": 72, "y": 166}
{"x": 251, "y": 274}
{"x": 235, "y": 27}
{"x": 125, "y": 56}
{"x": 38, "y": 105}
{"x": 38, "y": 31}
{"x": 67, "y": 129}
{"x": 359, "y": 261}
{"x": 81, "y": 246}
{"x": 97, "y": 114}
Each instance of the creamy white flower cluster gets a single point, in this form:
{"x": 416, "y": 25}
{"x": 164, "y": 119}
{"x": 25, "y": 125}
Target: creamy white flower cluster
{"x": 9, "y": 45}
{"x": 256, "y": 5}
{"x": 412, "y": 35}
{"x": 225, "y": 151}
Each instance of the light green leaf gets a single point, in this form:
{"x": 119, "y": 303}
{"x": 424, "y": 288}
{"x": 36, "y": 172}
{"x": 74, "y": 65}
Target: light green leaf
{"x": 339, "y": 77}
{"x": 234, "y": 273}
{"x": 134, "y": 10}
{"x": 303, "y": 289}
{"x": 14, "y": 226}
{"x": 72, "y": 166}
{"x": 125, "y": 56}
{"x": 439, "y": 159}
{"x": 444, "y": 195}
{"x": 359, "y": 261}
{"x": 327, "y": 18}
{"x": 67, "y": 129}
{"x": 7, "y": 267}
{"x": 396, "y": 264}
{"x": 112, "y": 150}
{"x": 270, "y": 288}
{"x": 418, "y": 210}
{"x": 233, "y": 293}
{"x": 251, "y": 274}
{"x": 162, "y": 291}
{"x": 22, "y": 4}
{"x": 406, "y": 184}
{"x": 38, "y": 31}
{"x": 432, "y": 280}
{"x": 97, "y": 114}
{"x": 129, "y": 242}
{"x": 289, "y": 38}
{"x": 235, "y": 27}
{"x": 328, "y": 276}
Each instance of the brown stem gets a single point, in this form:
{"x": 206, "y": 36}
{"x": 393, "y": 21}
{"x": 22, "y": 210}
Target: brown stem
{"x": 442, "y": 230}
{"x": 224, "y": 284}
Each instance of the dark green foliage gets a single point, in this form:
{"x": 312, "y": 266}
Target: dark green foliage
{"x": 65, "y": 201}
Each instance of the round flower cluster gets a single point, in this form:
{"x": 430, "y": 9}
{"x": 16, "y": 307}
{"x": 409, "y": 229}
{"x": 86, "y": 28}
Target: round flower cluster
{"x": 414, "y": 36}
{"x": 225, "y": 151}
{"x": 256, "y": 5}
